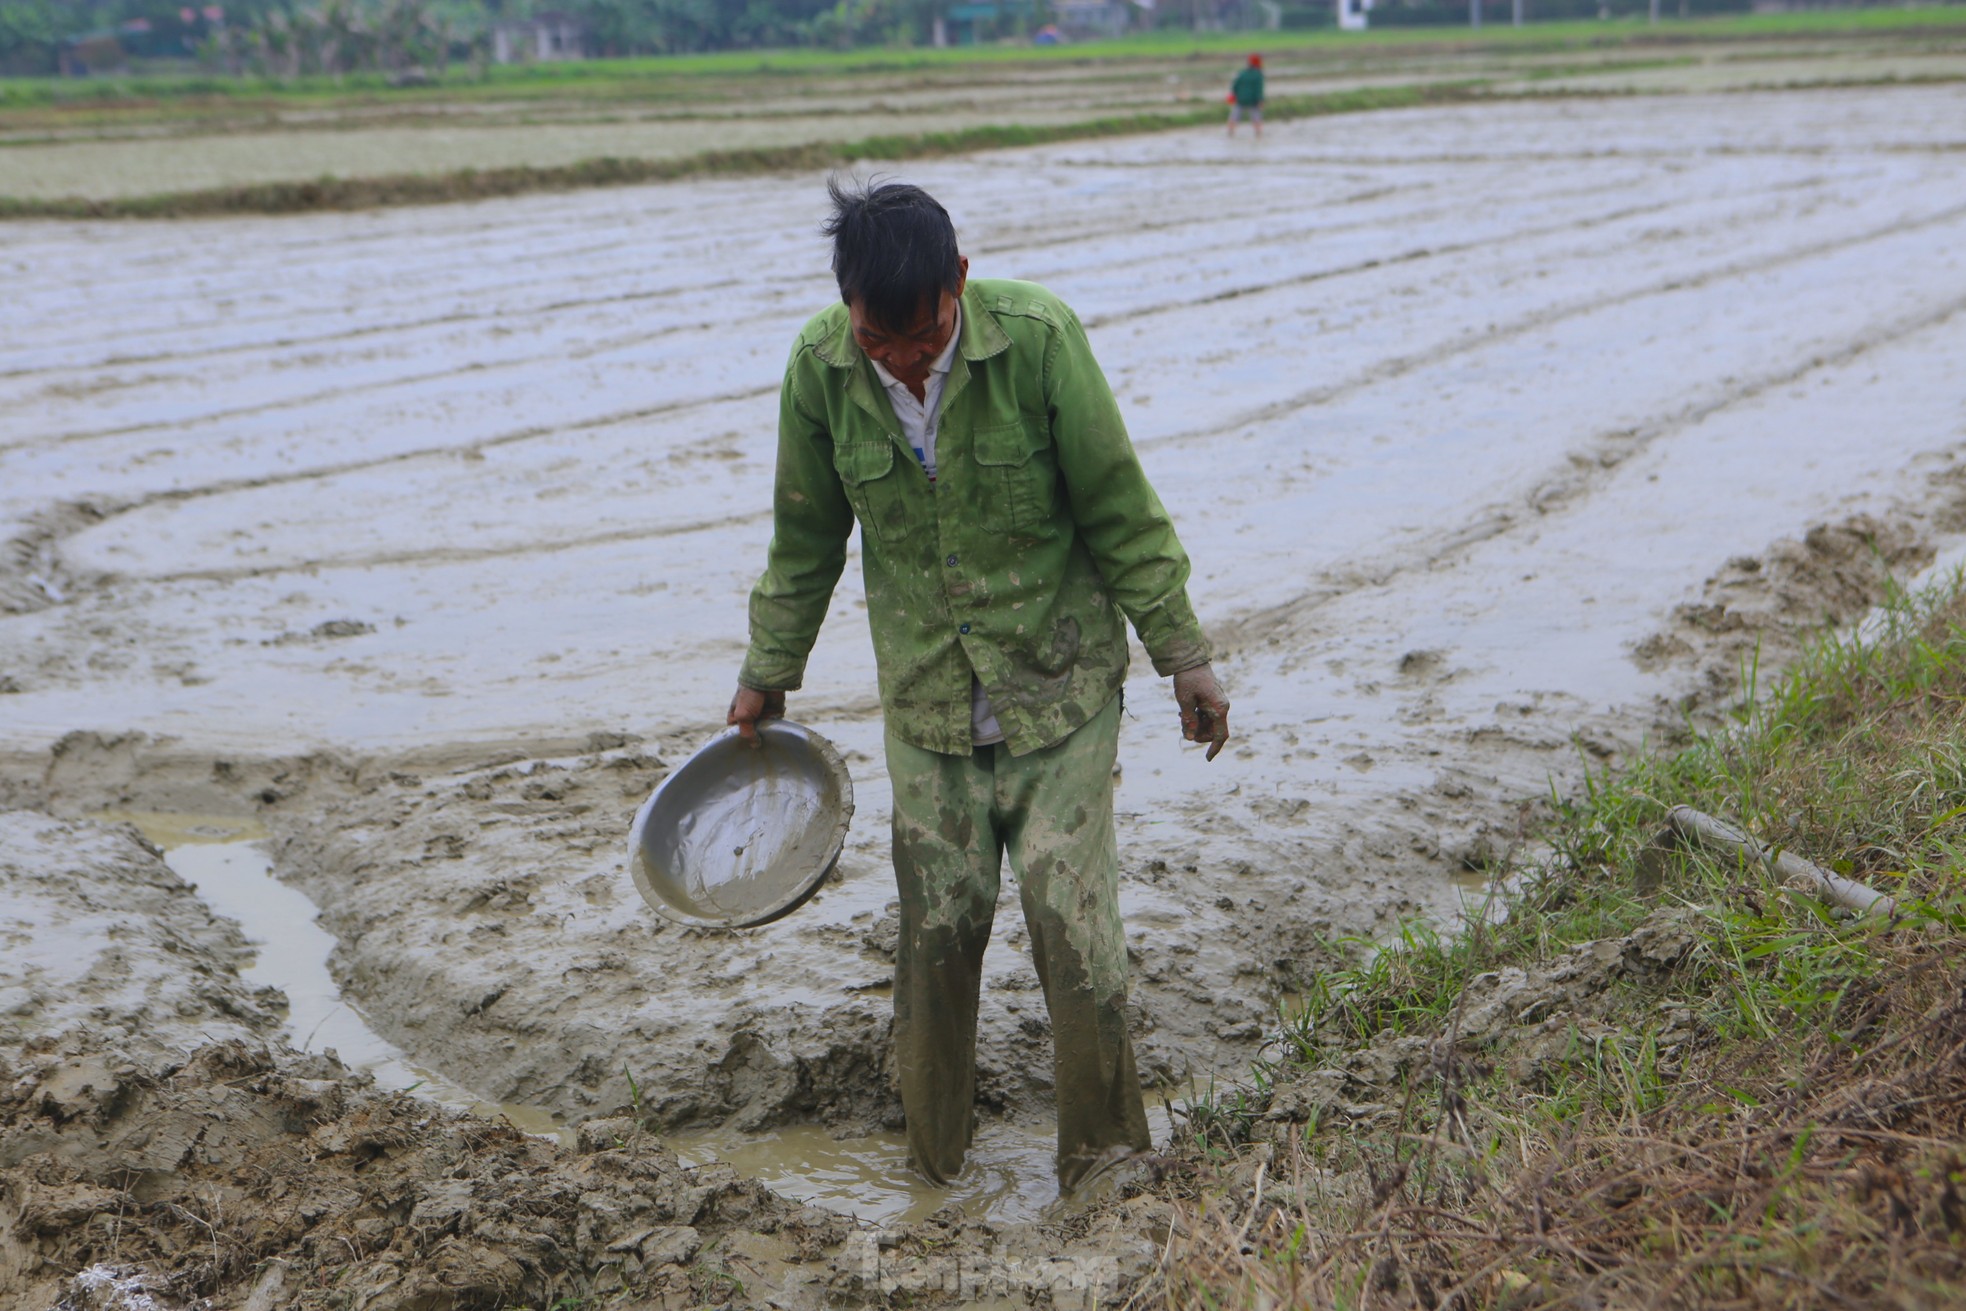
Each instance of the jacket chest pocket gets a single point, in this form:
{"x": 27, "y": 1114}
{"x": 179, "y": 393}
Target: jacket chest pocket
{"x": 1017, "y": 478}
{"x": 874, "y": 488}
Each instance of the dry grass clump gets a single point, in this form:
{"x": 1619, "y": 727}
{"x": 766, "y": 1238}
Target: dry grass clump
{"x": 1703, "y": 1088}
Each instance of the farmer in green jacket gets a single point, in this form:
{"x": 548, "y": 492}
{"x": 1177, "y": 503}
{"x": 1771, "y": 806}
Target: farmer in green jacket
{"x": 1007, "y": 533}
{"x": 1246, "y": 96}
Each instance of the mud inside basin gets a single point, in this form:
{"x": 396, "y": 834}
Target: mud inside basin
{"x": 740, "y": 835}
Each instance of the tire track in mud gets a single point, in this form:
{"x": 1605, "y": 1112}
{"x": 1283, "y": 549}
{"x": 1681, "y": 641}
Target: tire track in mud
{"x": 373, "y": 329}
{"x": 341, "y": 240}
{"x": 369, "y": 388}
{"x": 1304, "y": 234}
{"x": 1399, "y": 366}
{"x": 245, "y": 411}
{"x": 1312, "y": 232}
{"x": 1414, "y": 256}
{"x": 196, "y": 286}
{"x": 535, "y": 313}
{"x": 104, "y": 509}
{"x": 1201, "y": 219}
{"x": 1035, "y": 237}
{"x": 455, "y": 554}
{"x": 1572, "y": 479}
{"x": 1605, "y": 155}
{"x": 1331, "y": 391}
{"x": 444, "y": 274}
{"x": 30, "y": 563}
{"x": 38, "y": 543}
{"x": 1480, "y": 529}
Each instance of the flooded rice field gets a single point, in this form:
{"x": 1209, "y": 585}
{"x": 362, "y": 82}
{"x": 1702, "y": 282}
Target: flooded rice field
{"x": 109, "y": 149}
{"x": 411, "y": 550}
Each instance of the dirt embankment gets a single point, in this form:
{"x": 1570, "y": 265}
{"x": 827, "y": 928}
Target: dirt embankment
{"x": 95, "y": 929}
{"x": 267, "y": 1181}
{"x": 251, "y": 1177}
{"x": 487, "y": 923}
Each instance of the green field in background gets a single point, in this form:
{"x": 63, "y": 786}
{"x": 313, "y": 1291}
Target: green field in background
{"x": 633, "y": 78}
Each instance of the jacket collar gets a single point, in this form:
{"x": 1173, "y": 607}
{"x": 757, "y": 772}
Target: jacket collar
{"x": 981, "y": 337}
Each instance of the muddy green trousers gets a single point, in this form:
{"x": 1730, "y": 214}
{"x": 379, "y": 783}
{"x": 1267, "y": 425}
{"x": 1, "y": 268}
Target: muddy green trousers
{"x": 1051, "y": 811}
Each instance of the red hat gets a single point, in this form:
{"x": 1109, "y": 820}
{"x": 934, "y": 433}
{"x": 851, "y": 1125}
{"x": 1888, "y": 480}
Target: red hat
{"x": 1256, "y": 61}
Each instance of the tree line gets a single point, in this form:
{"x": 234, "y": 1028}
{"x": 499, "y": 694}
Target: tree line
{"x": 292, "y": 37}
{"x": 409, "y": 38}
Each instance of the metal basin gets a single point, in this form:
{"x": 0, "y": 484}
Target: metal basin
{"x": 739, "y": 835}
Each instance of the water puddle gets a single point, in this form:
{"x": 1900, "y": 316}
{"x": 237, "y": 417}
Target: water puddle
{"x": 1008, "y": 1177}
{"x": 225, "y": 858}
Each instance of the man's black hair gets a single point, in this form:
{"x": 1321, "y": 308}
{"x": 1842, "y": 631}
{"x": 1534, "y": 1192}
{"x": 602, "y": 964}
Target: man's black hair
{"x": 894, "y": 248}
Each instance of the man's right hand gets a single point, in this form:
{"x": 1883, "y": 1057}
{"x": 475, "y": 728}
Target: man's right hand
{"x": 749, "y": 706}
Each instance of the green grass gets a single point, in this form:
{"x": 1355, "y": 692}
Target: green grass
{"x": 1768, "y": 1113}
{"x": 631, "y": 78}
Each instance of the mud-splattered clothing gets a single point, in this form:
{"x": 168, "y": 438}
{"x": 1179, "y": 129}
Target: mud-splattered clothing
{"x": 1013, "y": 567}
{"x": 1015, "y": 564}
{"x": 1051, "y": 811}
{"x": 918, "y": 418}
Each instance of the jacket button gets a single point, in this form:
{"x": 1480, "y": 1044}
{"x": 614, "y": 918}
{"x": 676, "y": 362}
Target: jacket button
{"x": 963, "y": 629}
{"x": 952, "y": 562}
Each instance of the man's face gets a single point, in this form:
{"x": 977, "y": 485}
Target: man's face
{"x": 906, "y": 352}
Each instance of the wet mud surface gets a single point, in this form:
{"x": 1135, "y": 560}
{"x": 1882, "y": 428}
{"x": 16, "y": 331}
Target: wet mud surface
{"x": 238, "y": 1178}
{"x": 97, "y": 930}
{"x": 1500, "y": 437}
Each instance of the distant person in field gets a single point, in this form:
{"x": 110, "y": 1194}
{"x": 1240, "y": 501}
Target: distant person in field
{"x": 1246, "y": 96}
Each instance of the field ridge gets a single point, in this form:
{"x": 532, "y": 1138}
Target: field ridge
{"x": 465, "y": 184}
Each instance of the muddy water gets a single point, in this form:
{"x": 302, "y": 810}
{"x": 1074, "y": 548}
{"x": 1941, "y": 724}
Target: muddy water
{"x": 227, "y": 861}
{"x": 225, "y": 858}
{"x": 1008, "y": 1176}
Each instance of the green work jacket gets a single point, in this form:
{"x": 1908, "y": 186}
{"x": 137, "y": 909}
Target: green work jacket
{"x": 1248, "y": 87}
{"x": 1016, "y": 565}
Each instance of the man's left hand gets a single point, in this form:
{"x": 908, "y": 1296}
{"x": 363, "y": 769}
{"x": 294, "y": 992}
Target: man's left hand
{"x": 1204, "y": 710}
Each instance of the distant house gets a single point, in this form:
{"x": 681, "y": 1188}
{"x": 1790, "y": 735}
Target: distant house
{"x": 1091, "y": 19}
{"x": 1239, "y": 15}
{"x": 92, "y": 52}
{"x": 969, "y": 23}
{"x": 543, "y": 38}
